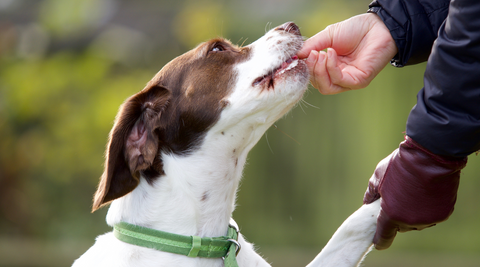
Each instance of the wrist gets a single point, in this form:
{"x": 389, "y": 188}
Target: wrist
{"x": 374, "y": 8}
{"x": 419, "y": 188}
{"x": 452, "y": 162}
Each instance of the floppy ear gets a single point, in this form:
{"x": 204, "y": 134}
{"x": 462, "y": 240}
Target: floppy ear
{"x": 133, "y": 144}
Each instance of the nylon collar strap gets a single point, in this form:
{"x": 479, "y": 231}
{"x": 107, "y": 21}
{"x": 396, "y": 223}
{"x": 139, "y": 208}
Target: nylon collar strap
{"x": 225, "y": 247}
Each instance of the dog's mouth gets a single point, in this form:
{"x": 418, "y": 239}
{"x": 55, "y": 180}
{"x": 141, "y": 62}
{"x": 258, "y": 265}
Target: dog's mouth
{"x": 269, "y": 78}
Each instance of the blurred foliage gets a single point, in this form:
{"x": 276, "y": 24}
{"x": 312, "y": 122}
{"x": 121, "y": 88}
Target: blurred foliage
{"x": 200, "y": 21}
{"x": 67, "y": 18}
{"x": 67, "y": 65}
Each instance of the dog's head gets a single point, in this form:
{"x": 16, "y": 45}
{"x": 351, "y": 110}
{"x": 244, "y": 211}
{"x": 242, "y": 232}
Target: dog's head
{"x": 216, "y": 84}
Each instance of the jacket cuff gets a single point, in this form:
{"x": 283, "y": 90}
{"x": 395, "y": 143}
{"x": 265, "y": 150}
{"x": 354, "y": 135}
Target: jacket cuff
{"x": 376, "y": 8}
{"x": 413, "y": 25}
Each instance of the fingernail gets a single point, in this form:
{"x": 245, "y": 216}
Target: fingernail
{"x": 330, "y": 52}
{"x": 321, "y": 56}
{"x": 311, "y": 57}
{"x": 301, "y": 54}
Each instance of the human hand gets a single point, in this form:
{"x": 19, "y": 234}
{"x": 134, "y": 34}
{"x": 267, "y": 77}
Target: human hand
{"x": 359, "y": 48}
{"x": 418, "y": 189}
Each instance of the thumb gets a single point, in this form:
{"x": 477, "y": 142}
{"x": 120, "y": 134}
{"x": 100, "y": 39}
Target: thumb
{"x": 386, "y": 231}
{"x": 320, "y": 41}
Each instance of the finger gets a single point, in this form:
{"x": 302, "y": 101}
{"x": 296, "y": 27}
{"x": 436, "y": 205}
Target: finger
{"x": 371, "y": 194}
{"x": 318, "y": 42}
{"x": 316, "y": 67}
{"x": 319, "y": 76}
{"x": 386, "y": 232}
{"x": 333, "y": 69}
{"x": 347, "y": 76}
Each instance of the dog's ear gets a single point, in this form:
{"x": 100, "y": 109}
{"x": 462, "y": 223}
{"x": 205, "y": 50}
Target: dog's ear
{"x": 133, "y": 144}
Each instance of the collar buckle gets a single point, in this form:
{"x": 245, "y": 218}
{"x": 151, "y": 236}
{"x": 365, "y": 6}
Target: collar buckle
{"x": 238, "y": 247}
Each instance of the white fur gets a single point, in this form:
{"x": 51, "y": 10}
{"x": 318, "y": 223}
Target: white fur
{"x": 213, "y": 172}
{"x": 352, "y": 240}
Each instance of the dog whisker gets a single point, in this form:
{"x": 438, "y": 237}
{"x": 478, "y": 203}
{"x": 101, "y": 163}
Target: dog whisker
{"x": 268, "y": 143}
{"x": 275, "y": 126}
{"x": 303, "y": 101}
{"x": 267, "y": 27}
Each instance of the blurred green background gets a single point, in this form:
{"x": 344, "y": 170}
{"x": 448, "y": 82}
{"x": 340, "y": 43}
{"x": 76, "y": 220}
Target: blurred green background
{"x": 67, "y": 65}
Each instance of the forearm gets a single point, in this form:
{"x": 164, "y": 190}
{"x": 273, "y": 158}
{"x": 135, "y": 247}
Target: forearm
{"x": 446, "y": 119}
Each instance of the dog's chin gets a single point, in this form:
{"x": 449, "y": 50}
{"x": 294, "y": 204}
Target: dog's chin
{"x": 289, "y": 86}
{"x": 296, "y": 72}
{"x": 292, "y": 81}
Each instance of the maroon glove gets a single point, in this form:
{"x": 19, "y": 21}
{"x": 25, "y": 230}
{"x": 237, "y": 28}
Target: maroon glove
{"x": 418, "y": 190}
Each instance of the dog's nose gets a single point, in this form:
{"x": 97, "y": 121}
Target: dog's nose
{"x": 289, "y": 27}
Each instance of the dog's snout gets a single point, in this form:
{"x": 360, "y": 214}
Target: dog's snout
{"x": 289, "y": 27}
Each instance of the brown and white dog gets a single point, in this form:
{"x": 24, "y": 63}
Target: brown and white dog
{"x": 178, "y": 147}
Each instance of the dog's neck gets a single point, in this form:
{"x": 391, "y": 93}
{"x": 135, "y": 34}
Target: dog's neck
{"x": 196, "y": 196}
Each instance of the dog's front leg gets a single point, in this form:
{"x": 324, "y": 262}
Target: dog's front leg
{"x": 248, "y": 256}
{"x": 352, "y": 241}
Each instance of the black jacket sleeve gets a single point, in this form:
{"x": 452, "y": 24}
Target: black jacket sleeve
{"x": 446, "y": 119}
{"x": 413, "y": 24}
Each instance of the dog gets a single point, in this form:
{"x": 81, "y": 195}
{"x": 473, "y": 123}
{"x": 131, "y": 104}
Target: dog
{"x": 177, "y": 149}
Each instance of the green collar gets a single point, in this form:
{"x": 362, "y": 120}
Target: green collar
{"x": 225, "y": 247}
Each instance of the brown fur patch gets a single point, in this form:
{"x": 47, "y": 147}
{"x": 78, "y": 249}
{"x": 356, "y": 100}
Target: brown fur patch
{"x": 171, "y": 114}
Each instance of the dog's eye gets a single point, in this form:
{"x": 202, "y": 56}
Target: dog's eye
{"x": 217, "y": 48}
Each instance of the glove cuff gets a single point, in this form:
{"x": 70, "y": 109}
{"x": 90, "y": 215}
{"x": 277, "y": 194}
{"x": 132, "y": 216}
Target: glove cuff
{"x": 419, "y": 188}
{"x": 452, "y": 162}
